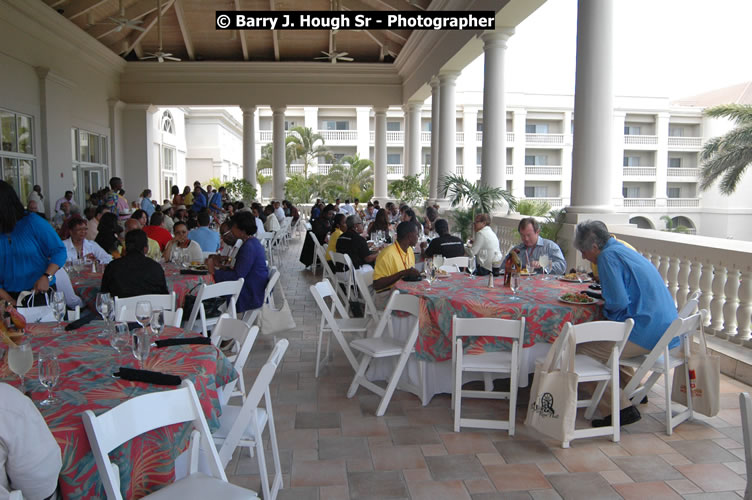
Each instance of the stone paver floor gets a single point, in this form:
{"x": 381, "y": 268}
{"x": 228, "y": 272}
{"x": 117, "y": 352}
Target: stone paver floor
{"x": 332, "y": 447}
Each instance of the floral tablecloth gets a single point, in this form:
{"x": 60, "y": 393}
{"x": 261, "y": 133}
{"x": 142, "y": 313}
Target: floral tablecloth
{"x": 86, "y": 284}
{"x": 147, "y": 461}
{"x": 539, "y": 304}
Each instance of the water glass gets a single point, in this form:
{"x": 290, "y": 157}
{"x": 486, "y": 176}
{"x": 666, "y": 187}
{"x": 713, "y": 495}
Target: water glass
{"x": 120, "y": 337}
{"x": 471, "y": 266}
{"x": 143, "y": 313}
{"x": 430, "y": 272}
{"x": 514, "y": 284}
{"x": 157, "y": 323}
{"x": 140, "y": 346}
{"x": 48, "y": 369}
{"x": 20, "y": 359}
{"x": 438, "y": 261}
{"x": 58, "y": 309}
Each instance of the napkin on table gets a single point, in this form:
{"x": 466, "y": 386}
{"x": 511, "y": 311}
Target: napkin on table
{"x": 147, "y": 376}
{"x": 183, "y": 341}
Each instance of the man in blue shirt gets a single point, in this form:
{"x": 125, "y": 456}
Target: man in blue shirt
{"x": 533, "y": 246}
{"x": 632, "y": 288}
{"x": 207, "y": 239}
{"x": 216, "y": 200}
{"x": 199, "y": 200}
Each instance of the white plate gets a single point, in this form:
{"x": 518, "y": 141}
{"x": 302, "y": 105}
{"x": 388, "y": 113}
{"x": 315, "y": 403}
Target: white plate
{"x": 594, "y": 301}
{"x": 568, "y": 280}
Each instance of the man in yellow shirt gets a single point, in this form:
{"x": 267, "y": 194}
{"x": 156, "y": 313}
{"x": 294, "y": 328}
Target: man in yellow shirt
{"x": 397, "y": 260}
{"x": 339, "y": 228}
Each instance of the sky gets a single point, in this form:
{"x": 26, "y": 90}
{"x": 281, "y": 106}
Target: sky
{"x": 662, "y": 48}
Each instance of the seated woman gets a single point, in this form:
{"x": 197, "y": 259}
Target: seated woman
{"x": 485, "y": 246}
{"x": 108, "y": 236}
{"x": 78, "y": 247}
{"x": 250, "y": 264}
{"x": 380, "y": 223}
{"x": 272, "y": 223}
{"x": 181, "y": 248}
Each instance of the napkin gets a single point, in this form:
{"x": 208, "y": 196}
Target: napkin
{"x": 183, "y": 341}
{"x": 193, "y": 271}
{"x": 84, "y": 319}
{"x": 147, "y": 376}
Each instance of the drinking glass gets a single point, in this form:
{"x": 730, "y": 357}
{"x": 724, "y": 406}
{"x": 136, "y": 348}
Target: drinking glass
{"x": 157, "y": 324}
{"x": 471, "y": 266}
{"x": 141, "y": 345}
{"x": 143, "y": 313}
{"x": 438, "y": 261}
{"x": 78, "y": 267}
{"x": 514, "y": 284}
{"x": 430, "y": 272}
{"x": 20, "y": 359}
{"x": 120, "y": 337}
{"x": 529, "y": 269}
{"x": 581, "y": 272}
{"x": 545, "y": 263}
{"x": 58, "y": 309}
{"x": 48, "y": 370}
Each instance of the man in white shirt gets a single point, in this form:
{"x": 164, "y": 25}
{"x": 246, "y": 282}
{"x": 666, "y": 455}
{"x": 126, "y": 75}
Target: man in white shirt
{"x": 485, "y": 239}
{"x": 279, "y": 212}
{"x": 67, "y": 198}
{"x": 30, "y": 458}
{"x": 347, "y": 208}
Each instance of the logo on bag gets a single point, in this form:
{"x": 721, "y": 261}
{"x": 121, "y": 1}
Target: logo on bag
{"x": 546, "y": 406}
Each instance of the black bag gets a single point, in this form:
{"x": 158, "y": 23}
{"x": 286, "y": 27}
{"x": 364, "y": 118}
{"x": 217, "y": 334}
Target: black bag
{"x": 356, "y": 309}
{"x": 211, "y": 306}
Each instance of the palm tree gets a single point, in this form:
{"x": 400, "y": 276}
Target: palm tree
{"x": 673, "y": 227}
{"x": 479, "y": 196}
{"x": 352, "y": 178}
{"x": 729, "y": 155}
{"x": 265, "y": 163}
{"x": 308, "y": 146}
{"x": 533, "y": 208}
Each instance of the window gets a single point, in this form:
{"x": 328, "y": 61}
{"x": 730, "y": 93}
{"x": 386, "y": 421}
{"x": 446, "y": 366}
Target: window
{"x": 479, "y": 127}
{"x": 393, "y": 126}
{"x": 540, "y": 128}
{"x": 676, "y": 131}
{"x": 90, "y": 163}
{"x": 630, "y": 192}
{"x": 631, "y": 130}
{"x": 427, "y": 127}
{"x": 631, "y": 161}
{"x": 168, "y": 123}
{"x": 427, "y": 160}
{"x": 336, "y": 125}
{"x": 536, "y": 191}
{"x": 289, "y": 125}
{"x": 536, "y": 160}
{"x": 169, "y": 171}
{"x": 673, "y": 192}
{"x": 393, "y": 158}
{"x": 17, "y": 152}
{"x": 674, "y": 163}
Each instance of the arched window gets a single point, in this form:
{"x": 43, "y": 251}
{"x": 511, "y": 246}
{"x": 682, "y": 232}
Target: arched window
{"x": 168, "y": 123}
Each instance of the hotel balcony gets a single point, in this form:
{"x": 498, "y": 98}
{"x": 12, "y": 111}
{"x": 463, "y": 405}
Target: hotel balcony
{"x": 510, "y": 170}
{"x": 395, "y": 171}
{"x": 545, "y": 139}
{"x": 554, "y": 202}
{"x": 683, "y": 202}
{"x": 691, "y": 173}
{"x": 425, "y": 137}
{"x": 641, "y": 140}
{"x": 685, "y": 143}
{"x": 639, "y": 202}
{"x": 542, "y": 170}
{"x": 459, "y": 169}
{"x": 639, "y": 172}
{"x": 338, "y": 137}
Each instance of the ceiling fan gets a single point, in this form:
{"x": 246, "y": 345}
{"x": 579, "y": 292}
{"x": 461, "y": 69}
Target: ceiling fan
{"x": 159, "y": 55}
{"x": 121, "y": 21}
{"x": 333, "y": 55}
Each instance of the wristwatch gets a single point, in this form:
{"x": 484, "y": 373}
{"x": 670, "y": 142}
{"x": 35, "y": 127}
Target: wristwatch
{"x": 49, "y": 276}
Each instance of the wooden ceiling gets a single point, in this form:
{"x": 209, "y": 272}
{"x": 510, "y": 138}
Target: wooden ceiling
{"x": 189, "y": 33}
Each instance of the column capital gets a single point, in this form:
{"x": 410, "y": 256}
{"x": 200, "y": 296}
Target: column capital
{"x": 413, "y": 105}
{"x": 248, "y": 109}
{"x": 448, "y": 77}
{"x": 115, "y": 103}
{"x": 496, "y": 38}
{"x": 279, "y": 109}
{"x": 380, "y": 110}
{"x": 434, "y": 83}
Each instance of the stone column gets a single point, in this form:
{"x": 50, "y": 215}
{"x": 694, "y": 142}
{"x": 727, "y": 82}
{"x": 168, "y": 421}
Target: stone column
{"x": 115, "y": 107}
{"x": 519, "y": 121}
{"x": 494, "y": 155}
{"x": 434, "y": 168}
{"x": 661, "y": 160}
{"x": 593, "y": 108}
{"x": 412, "y": 135}
{"x": 379, "y": 154}
{"x": 363, "y": 126}
{"x": 140, "y": 168}
{"x": 448, "y": 126}
{"x": 249, "y": 144}
{"x": 278, "y": 153}
{"x": 470, "y": 145}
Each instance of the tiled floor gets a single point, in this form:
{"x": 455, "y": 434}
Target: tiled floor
{"x": 332, "y": 447}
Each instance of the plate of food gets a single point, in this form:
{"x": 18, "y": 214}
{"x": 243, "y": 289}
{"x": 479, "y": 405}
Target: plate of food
{"x": 575, "y": 278}
{"x": 524, "y": 272}
{"x": 440, "y": 273}
{"x": 198, "y": 267}
{"x": 577, "y": 298}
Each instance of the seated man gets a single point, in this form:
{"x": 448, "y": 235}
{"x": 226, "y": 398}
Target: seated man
{"x": 154, "y": 252}
{"x": 30, "y": 458}
{"x": 271, "y": 224}
{"x": 134, "y": 273}
{"x": 632, "y": 288}
{"x": 533, "y": 246}
{"x": 339, "y": 228}
{"x": 396, "y": 260}
{"x": 446, "y": 244}
{"x": 156, "y": 232}
{"x": 206, "y": 238}
{"x": 354, "y": 245}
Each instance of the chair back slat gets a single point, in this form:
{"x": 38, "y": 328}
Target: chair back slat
{"x": 488, "y": 327}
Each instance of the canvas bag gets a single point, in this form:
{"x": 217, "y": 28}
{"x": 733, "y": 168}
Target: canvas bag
{"x": 273, "y": 320}
{"x": 553, "y": 395}
{"x": 705, "y": 379}
{"x": 36, "y": 313}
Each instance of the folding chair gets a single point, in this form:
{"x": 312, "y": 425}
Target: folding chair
{"x": 459, "y": 262}
{"x": 252, "y": 315}
{"x": 74, "y": 314}
{"x": 174, "y": 318}
{"x": 336, "y": 326}
{"x": 344, "y": 278}
{"x": 152, "y": 411}
{"x": 499, "y": 362}
{"x": 380, "y": 346}
{"x": 319, "y": 254}
{"x": 244, "y": 425}
{"x": 244, "y": 335}
{"x": 661, "y": 361}
{"x": 126, "y": 307}
{"x": 364, "y": 282}
{"x": 745, "y": 404}
{"x": 206, "y": 292}
{"x": 690, "y": 307}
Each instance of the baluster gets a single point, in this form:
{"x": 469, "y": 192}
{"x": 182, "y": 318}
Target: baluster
{"x": 663, "y": 268}
{"x": 656, "y": 260}
{"x": 706, "y": 287}
{"x": 744, "y": 311}
{"x": 731, "y": 305}
{"x": 672, "y": 276}
{"x": 716, "y": 305}
{"x": 684, "y": 286}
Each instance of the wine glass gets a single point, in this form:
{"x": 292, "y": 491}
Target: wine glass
{"x": 58, "y": 309}
{"x": 157, "y": 324}
{"x": 529, "y": 269}
{"x": 119, "y": 340}
{"x": 20, "y": 359}
{"x": 141, "y": 345}
{"x": 104, "y": 305}
{"x": 48, "y": 370}
{"x": 514, "y": 284}
{"x": 545, "y": 263}
{"x": 471, "y": 266}
{"x": 143, "y": 313}
{"x": 581, "y": 272}
{"x": 430, "y": 272}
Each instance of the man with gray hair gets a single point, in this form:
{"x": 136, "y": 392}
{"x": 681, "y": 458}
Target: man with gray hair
{"x": 632, "y": 288}
{"x": 355, "y": 245}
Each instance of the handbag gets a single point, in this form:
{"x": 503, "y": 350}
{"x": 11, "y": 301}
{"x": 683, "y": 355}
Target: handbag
{"x": 553, "y": 395}
{"x": 212, "y": 307}
{"x": 273, "y": 320}
{"x": 704, "y": 371}
{"x": 36, "y": 313}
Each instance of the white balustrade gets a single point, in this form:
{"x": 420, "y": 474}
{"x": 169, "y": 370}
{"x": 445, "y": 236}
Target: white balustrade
{"x": 478, "y": 170}
{"x": 706, "y": 286}
{"x": 683, "y": 282}
{"x": 685, "y": 142}
{"x": 639, "y": 202}
{"x": 459, "y": 137}
{"x": 544, "y": 138}
{"x": 646, "y": 140}
{"x": 554, "y": 202}
{"x": 744, "y": 311}
{"x": 339, "y": 135}
{"x": 265, "y": 135}
{"x": 425, "y": 137}
{"x": 479, "y": 137}
{"x": 395, "y": 136}
{"x": 296, "y": 168}
{"x": 683, "y": 172}
{"x": 395, "y": 169}
{"x": 542, "y": 170}
{"x": 510, "y": 170}
{"x": 731, "y": 290}
{"x": 639, "y": 171}
{"x": 459, "y": 169}
{"x": 510, "y": 136}
{"x": 323, "y": 168}
{"x": 682, "y": 202}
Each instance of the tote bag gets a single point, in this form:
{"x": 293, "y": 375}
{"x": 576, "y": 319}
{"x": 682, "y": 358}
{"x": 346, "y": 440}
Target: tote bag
{"x": 553, "y": 395}
{"x": 37, "y": 313}
{"x": 273, "y": 320}
{"x": 704, "y": 380}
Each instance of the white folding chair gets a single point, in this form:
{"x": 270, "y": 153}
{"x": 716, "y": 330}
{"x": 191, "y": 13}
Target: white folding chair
{"x": 206, "y": 292}
{"x": 458, "y": 262}
{"x": 319, "y": 253}
{"x": 74, "y": 314}
{"x": 589, "y": 369}
{"x": 152, "y": 411}
{"x": 745, "y": 404}
{"x": 661, "y": 361}
{"x": 364, "y": 282}
{"x": 174, "y": 318}
{"x": 244, "y": 336}
{"x": 126, "y": 307}
{"x": 380, "y": 346}
{"x": 690, "y": 307}
{"x": 450, "y": 268}
{"x": 252, "y": 315}
{"x": 244, "y": 425}
{"x": 498, "y": 362}
{"x": 15, "y": 495}
{"x": 336, "y": 326}
{"x": 344, "y": 278}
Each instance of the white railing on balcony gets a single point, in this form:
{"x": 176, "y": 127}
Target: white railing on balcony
{"x": 479, "y": 137}
{"x": 339, "y": 135}
{"x": 510, "y": 136}
{"x": 683, "y": 202}
{"x": 510, "y": 170}
{"x": 395, "y": 169}
{"x": 425, "y": 137}
{"x": 683, "y": 172}
{"x": 296, "y": 168}
{"x": 395, "y": 136}
{"x": 265, "y": 135}
{"x": 542, "y": 170}
{"x": 459, "y": 169}
{"x": 478, "y": 170}
{"x": 554, "y": 202}
{"x": 685, "y": 142}
{"x": 323, "y": 168}
{"x": 544, "y": 138}
{"x": 639, "y": 171}
{"x": 639, "y": 202}
{"x": 641, "y": 139}
{"x": 459, "y": 137}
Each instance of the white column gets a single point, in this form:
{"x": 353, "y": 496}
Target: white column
{"x": 617, "y": 165}
{"x": 115, "y": 107}
{"x": 566, "y": 160}
{"x": 593, "y": 108}
{"x": 379, "y": 150}
{"x": 278, "y": 153}
{"x": 494, "y": 155}
{"x": 435, "y": 126}
{"x": 470, "y": 145}
{"x": 661, "y": 160}
{"x": 249, "y": 144}
{"x": 405, "y": 140}
{"x": 412, "y": 138}
{"x": 519, "y": 121}
{"x": 363, "y": 124}
{"x": 140, "y": 169}
{"x": 448, "y": 125}
{"x": 311, "y": 120}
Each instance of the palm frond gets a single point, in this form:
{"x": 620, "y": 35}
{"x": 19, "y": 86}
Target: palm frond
{"x": 740, "y": 113}
{"x": 729, "y": 163}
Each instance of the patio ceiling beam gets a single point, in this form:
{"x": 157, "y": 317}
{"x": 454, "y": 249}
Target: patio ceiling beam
{"x": 187, "y": 41}
{"x": 397, "y": 36}
{"x": 241, "y": 34}
{"x": 149, "y": 22}
{"x": 421, "y": 4}
{"x": 135, "y": 11}
{"x": 54, "y": 3}
{"x": 275, "y": 35}
{"x": 397, "y": 5}
{"x": 81, "y": 7}
{"x": 387, "y": 46}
